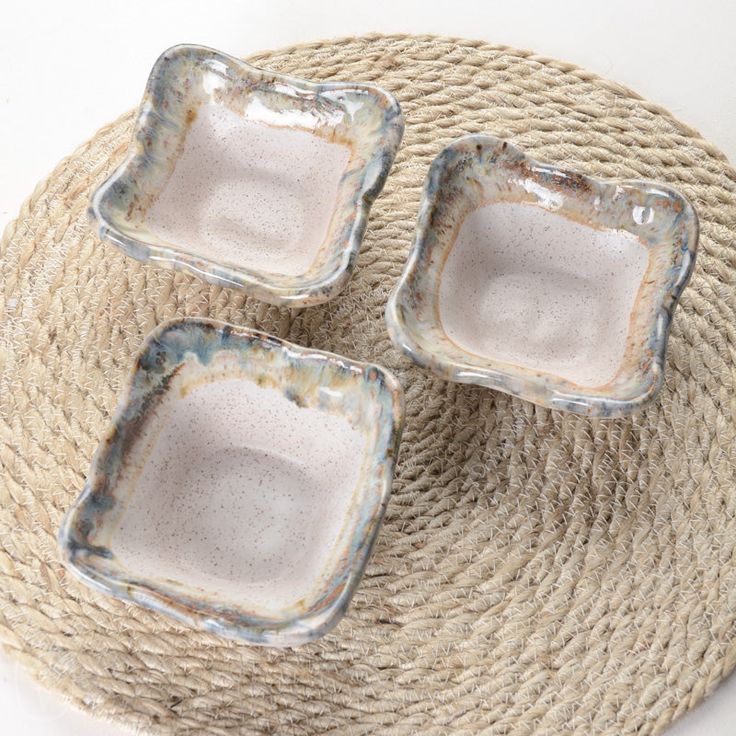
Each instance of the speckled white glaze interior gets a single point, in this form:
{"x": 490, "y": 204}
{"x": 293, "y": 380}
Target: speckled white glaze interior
{"x": 544, "y": 283}
{"x": 248, "y": 178}
{"x": 242, "y": 485}
{"x": 527, "y": 286}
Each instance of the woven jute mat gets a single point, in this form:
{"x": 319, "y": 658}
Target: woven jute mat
{"x": 537, "y": 573}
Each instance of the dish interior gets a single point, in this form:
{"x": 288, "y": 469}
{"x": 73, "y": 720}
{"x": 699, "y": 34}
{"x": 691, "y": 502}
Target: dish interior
{"x": 241, "y": 485}
{"x": 546, "y": 284}
{"x": 236, "y": 491}
{"x": 528, "y": 286}
{"x": 250, "y": 193}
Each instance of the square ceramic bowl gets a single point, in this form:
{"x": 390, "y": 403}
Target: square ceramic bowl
{"x": 543, "y": 283}
{"x": 241, "y": 485}
{"x": 248, "y": 178}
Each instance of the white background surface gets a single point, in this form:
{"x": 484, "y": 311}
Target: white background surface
{"x": 67, "y": 68}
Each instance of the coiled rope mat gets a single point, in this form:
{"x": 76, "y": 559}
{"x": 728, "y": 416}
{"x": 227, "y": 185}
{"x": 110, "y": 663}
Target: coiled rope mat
{"x": 537, "y": 573}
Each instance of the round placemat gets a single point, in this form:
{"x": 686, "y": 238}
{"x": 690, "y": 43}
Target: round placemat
{"x": 536, "y": 572}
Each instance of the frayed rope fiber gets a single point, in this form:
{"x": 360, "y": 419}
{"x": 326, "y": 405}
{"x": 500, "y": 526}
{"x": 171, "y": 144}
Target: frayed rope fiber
{"x": 537, "y": 573}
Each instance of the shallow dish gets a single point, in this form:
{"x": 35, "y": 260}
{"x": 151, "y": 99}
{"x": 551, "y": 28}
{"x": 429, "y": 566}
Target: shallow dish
{"x": 248, "y": 178}
{"x": 549, "y": 285}
{"x": 241, "y": 485}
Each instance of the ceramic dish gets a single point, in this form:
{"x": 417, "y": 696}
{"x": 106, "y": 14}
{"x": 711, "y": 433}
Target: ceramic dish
{"x": 248, "y": 178}
{"x": 241, "y": 485}
{"x": 546, "y": 284}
